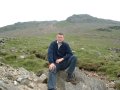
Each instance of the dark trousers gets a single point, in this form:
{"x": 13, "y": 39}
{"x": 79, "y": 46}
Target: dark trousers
{"x": 70, "y": 64}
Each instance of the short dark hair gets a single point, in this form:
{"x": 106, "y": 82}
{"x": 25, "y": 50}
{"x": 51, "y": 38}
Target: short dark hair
{"x": 60, "y": 33}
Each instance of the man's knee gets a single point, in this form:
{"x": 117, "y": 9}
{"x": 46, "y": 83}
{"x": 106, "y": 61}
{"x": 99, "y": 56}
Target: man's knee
{"x": 53, "y": 71}
{"x": 73, "y": 58}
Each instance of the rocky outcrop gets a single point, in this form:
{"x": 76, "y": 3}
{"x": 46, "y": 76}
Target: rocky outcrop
{"x": 21, "y": 79}
{"x": 2, "y": 41}
{"x": 117, "y": 50}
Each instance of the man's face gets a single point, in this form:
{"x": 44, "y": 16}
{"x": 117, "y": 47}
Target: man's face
{"x": 60, "y": 38}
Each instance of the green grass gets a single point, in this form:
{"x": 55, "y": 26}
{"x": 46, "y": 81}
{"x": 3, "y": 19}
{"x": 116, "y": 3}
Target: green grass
{"x": 91, "y": 50}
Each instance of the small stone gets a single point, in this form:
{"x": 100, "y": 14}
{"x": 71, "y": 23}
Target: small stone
{"x": 31, "y": 85}
{"x": 19, "y": 79}
{"x": 118, "y": 75}
{"x": 22, "y": 57}
{"x": 111, "y": 84}
{"x": 42, "y": 78}
{"x": 15, "y": 82}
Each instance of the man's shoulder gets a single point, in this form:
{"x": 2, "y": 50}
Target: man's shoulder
{"x": 53, "y": 42}
{"x": 65, "y": 43}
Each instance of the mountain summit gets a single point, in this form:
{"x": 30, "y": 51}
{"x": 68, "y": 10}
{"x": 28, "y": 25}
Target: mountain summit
{"x": 85, "y": 18}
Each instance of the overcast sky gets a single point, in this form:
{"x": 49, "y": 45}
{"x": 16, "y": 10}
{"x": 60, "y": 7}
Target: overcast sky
{"x": 12, "y": 11}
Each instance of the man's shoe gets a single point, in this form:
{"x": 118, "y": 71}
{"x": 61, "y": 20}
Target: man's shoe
{"x": 71, "y": 78}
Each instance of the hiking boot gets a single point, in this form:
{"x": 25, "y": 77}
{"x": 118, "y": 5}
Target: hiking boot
{"x": 71, "y": 78}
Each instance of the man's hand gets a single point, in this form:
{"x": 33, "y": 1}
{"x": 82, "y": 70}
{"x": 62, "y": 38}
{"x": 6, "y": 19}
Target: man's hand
{"x": 52, "y": 66}
{"x": 59, "y": 60}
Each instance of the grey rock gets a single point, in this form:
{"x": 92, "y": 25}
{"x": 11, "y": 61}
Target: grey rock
{"x": 25, "y": 82}
{"x": 4, "y": 86}
{"x": 111, "y": 84}
{"x": 83, "y": 82}
{"x": 42, "y": 78}
{"x": 2, "y": 41}
{"x": 20, "y": 79}
{"x": 41, "y": 87}
{"x": 23, "y": 71}
{"x": 111, "y": 89}
{"x": 117, "y": 84}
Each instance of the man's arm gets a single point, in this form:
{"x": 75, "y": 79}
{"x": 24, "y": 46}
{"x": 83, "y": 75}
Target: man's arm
{"x": 59, "y": 60}
{"x": 50, "y": 53}
{"x": 50, "y": 57}
{"x": 68, "y": 52}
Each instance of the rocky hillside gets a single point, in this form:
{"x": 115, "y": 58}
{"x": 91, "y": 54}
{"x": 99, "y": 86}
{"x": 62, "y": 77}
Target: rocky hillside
{"x": 95, "y": 41}
{"x": 21, "y": 79}
{"x": 73, "y": 23}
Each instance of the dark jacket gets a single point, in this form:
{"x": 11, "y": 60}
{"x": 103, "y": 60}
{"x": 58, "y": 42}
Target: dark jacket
{"x": 63, "y": 52}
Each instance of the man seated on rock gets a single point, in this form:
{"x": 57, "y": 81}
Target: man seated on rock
{"x": 60, "y": 57}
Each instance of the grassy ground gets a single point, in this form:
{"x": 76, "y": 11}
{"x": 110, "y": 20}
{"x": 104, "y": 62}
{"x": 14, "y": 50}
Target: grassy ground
{"x": 91, "y": 50}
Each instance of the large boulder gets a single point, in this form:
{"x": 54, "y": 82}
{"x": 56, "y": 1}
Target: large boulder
{"x": 83, "y": 82}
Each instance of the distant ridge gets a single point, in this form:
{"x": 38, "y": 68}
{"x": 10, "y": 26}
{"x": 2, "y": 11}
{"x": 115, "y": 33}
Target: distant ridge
{"x": 74, "y": 23}
{"x": 85, "y": 18}
{"x": 26, "y": 25}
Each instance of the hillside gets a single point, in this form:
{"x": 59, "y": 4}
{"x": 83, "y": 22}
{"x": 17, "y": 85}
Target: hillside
{"x": 75, "y": 24}
{"x": 95, "y": 41}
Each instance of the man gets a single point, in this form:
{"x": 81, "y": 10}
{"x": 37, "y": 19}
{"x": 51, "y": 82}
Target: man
{"x": 60, "y": 57}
